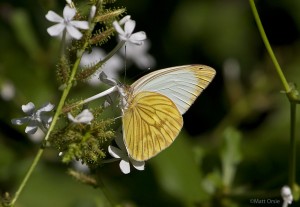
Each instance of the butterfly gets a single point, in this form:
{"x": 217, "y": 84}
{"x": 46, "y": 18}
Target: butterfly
{"x": 154, "y": 104}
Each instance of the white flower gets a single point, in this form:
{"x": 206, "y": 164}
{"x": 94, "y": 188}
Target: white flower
{"x": 85, "y": 117}
{"x": 71, "y": 4}
{"x": 36, "y": 118}
{"x": 124, "y": 19}
{"x": 66, "y": 22}
{"x": 7, "y": 91}
{"x": 286, "y": 195}
{"x": 92, "y": 12}
{"x": 37, "y": 137}
{"x": 111, "y": 66}
{"x": 126, "y": 33}
{"x": 139, "y": 55}
{"x": 123, "y": 155}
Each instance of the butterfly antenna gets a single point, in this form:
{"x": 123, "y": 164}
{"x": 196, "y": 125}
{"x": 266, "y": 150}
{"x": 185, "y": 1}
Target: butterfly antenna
{"x": 125, "y": 62}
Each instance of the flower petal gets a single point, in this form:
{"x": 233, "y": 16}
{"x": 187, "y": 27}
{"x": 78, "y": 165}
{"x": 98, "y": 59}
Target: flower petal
{"x": 48, "y": 121}
{"x": 139, "y": 54}
{"x": 92, "y": 12}
{"x": 74, "y": 32}
{"x": 7, "y": 91}
{"x": 125, "y": 166}
{"x": 286, "y": 194}
{"x": 28, "y": 108}
{"x": 71, "y": 117}
{"x": 53, "y": 17}
{"x": 145, "y": 61}
{"x": 31, "y": 129}
{"x": 56, "y": 29}
{"x": 69, "y": 13}
{"x": 139, "y": 165}
{"x": 129, "y": 27}
{"x": 118, "y": 28}
{"x": 37, "y": 137}
{"x": 71, "y": 4}
{"x": 115, "y": 152}
{"x": 46, "y": 107}
{"x": 45, "y": 118}
{"x": 136, "y": 42}
{"x": 124, "y": 19}
{"x": 20, "y": 121}
{"x": 138, "y": 36}
{"x": 84, "y": 117}
{"x": 80, "y": 24}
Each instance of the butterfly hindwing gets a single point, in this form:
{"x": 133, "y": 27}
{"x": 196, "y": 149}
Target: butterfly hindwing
{"x": 150, "y": 124}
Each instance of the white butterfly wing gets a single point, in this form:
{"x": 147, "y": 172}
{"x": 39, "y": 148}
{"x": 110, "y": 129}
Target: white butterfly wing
{"x": 182, "y": 84}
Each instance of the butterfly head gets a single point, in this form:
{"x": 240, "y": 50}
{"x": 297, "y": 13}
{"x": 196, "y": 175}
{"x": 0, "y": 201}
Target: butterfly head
{"x": 125, "y": 93}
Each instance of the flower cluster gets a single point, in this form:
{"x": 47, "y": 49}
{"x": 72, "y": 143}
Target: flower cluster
{"x": 83, "y": 134}
{"x": 126, "y": 33}
{"x": 137, "y": 51}
{"x": 85, "y": 117}
{"x": 35, "y": 118}
{"x": 66, "y": 23}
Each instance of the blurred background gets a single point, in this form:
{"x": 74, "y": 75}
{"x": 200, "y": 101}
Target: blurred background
{"x": 235, "y": 142}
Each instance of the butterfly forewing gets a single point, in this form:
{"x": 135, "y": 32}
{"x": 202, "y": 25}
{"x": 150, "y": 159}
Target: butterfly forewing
{"x": 181, "y": 84}
{"x": 150, "y": 124}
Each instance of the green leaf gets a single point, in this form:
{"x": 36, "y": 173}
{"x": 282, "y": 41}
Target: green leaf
{"x": 230, "y": 155}
{"x": 178, "y": 173}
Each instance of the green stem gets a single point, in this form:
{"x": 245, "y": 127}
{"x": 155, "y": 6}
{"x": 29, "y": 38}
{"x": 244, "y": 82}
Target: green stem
{"x": 111, "y": 53}
{"x": 25, "y": 179}
{"x": 54, "y": 121}
{"x": 107, "y": 57}
{"x": 110, "y": 160}
{"x": 293, "y": 98}
{"x": 106, "y": 192}
{"x": 63, "y": 99}
{"x": 292, "y": 158}
{"x": 268, "y": 47}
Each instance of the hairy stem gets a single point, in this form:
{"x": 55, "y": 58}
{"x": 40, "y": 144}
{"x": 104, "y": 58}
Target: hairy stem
{"x": 54, "y": 121}
{"x": 111, "y": 53}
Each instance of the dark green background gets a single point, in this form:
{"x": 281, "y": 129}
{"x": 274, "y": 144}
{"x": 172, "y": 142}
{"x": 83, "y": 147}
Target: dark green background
{"x": 250, "y": 108}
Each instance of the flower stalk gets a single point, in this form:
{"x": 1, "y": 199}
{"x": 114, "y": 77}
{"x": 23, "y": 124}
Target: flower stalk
{"x": 54, "y": 120}
{"x": 26, "y": 178}
{"x": 293, "y": 147}
{"x": 269, "y": 48}
{"x": 83, "y": 130}
{"x": 293, "y": 97}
